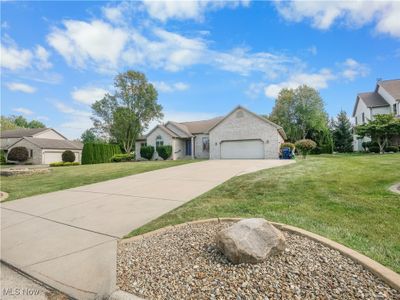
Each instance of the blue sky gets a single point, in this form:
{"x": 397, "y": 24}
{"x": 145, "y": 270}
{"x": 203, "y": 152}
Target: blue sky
{"x": 204, "y": 57}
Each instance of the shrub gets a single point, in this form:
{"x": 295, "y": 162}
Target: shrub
{"x": 374, "y": 149}
{"x": 94, "y": 153}
{"x": 164, "y": 151}
{"x": 18, "y": 154}
{"x": 3, "y": 160}
{"x": 392, "y": 149}
{"x": 68, "y": 156}
{"x": 287, "y": 145}
{"x": 64, "y": 164}
{"x": 147, "y": 152}
{"x": 122, "y": 157}
{"x": 305, "y": 146}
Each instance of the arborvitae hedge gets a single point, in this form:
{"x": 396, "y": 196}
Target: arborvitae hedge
{"x": 94, "y": 153}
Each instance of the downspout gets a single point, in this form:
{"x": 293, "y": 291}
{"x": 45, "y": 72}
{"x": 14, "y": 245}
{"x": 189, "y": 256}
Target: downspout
{"x": 192, "y": 146}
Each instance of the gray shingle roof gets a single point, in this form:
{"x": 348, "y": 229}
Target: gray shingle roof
{"x": 201, "y": 126}
{"x": 373, "y": 99}
{"x": 55, "y": 144}
{"x": 20, "y": 132}
{"x": 392, "y": 87}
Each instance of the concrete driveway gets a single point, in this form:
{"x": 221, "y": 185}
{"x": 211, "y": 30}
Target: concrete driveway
{"x": 68, "y": 239}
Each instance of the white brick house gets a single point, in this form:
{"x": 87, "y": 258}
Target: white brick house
{"x": 384, "y": 100}
{"x": 241, "y": 134}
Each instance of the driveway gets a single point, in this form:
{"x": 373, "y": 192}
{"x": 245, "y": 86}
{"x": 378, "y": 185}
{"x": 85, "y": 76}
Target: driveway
{"x": 68, "y": 239}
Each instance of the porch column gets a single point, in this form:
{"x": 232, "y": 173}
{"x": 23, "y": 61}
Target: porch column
{"x": 192, "y": 146}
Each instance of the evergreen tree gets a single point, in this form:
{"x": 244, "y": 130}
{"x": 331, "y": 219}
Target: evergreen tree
{"x": 342, "y": 133}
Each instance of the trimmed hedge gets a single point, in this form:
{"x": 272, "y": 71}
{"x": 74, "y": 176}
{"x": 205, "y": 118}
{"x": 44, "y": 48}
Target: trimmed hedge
{"x": 18, "y": 154}
{"x": 122, "y": 157}
{"x": 305, "y": 146}
{"x": 392, "y": 149}
{"x": 93, "y": 153}
{"x": 147, "y": 152}
{"x": 164, "y": 151}
{"x": 3, "y": 160}
{"x": 68, "y": 156}
{"x": 374, "y": 149}
{"x": 64, "y": 164}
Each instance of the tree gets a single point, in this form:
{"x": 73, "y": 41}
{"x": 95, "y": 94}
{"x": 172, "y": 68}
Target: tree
{"x": 305, "y": 146}
{"x": 13, "y": 122}
{"x": 89, "y": 136}
{"x": 380, "y": 129}
{"x": 301, "y": 113}
{"x": 132, "y": 107}
{"x": 342, "y": 133}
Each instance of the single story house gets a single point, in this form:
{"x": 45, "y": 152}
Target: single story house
{"x": 241, "y": 134}
{"x": 385, "y": 99}
{"x": 45, "y": 145}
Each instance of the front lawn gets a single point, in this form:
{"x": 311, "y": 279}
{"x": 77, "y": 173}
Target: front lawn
{"x": 342, "y": 197}
{"x": 61, "y": 178}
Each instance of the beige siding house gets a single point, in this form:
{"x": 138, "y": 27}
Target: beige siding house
{"x": 45, "y": 145}
{"x": 384, "y": 100}
{"x": 241, "y": 134}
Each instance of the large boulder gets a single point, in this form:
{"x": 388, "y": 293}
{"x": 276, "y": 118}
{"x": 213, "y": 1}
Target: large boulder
{"x": 250, "y": 241}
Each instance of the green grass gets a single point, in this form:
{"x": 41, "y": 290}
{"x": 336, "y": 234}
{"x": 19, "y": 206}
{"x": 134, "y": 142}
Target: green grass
{"x": 342, "y": 197}
{"x": 61, "y": 178}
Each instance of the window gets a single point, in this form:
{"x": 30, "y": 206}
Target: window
{"x": 31, "y": 153}
{"x": 144, "y": 144}
{"x": 356, "y": 121}
{"x": 159, "y": 141}
{"x": 395, "y": 109}
{"x": 206, "y": 144}
{"x": 363, "y": 118}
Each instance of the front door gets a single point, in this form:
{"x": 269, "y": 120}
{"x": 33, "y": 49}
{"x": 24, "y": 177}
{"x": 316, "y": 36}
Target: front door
{"x": 188, "y": 147}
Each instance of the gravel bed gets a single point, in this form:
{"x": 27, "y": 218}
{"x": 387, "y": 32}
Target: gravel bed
{"x": 183, "y": 263}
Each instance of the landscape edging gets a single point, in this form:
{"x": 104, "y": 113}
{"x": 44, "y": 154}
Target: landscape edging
{"x": 384, "y": 273}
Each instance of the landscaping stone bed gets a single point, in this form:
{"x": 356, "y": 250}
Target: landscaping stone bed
{"x": 184, "y": 263}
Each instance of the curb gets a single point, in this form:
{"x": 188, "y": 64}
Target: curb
{"x": 388, "y": 276}
{"x": 395, "y": 188}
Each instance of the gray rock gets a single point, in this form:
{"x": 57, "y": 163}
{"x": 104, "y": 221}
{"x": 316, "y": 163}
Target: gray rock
{"x": 250, "y": 241}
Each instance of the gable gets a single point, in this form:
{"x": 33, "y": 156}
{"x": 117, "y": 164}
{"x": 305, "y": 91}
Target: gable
{"x": 50, "y": 134}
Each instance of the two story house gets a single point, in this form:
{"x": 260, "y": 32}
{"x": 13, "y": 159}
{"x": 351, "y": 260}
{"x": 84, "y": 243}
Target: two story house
{"x": 385, "y": 99}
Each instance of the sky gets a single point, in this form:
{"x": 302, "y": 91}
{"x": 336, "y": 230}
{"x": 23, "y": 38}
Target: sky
{"x": 203, "y": 57}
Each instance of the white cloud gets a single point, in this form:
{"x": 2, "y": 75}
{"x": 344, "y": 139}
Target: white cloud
{"x": 88, "y": 95}
{"x": 164, "y": 87}
{"x": 20, "y": 87}
{"x": 23, "y": 111}
{"x": 323, "y": 14}
{"x": 315, "y": 80}
{"x": 353, "y": 69}
{"x": 14, "y": 58}
{"x": 114, "y": 14}
{"x": 186, "y": 9}
{"x": 42, "y": 56}
{"x": 82, "y": 42}
{"x": 254, "y": 89}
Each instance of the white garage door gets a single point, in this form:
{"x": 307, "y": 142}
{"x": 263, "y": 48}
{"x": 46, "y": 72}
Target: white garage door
{"x": 243, "y": 149}
{"x": 50, "y": 157}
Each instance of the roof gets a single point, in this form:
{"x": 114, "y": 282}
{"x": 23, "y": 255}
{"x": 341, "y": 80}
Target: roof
{"x": 202, "y": 126}
{"x": 21, "y": 132}
{"x": 53, "y": 143}
{"x": 279, "y": 128}
{"x": 392, "y": 87}
{"x": 371, "y": 99}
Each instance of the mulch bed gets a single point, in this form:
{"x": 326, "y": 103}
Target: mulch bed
{"x": 184, "y": 263}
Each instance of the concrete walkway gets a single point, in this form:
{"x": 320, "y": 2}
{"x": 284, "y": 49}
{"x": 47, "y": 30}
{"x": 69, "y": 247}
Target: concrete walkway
{"x": 68, "y": 239}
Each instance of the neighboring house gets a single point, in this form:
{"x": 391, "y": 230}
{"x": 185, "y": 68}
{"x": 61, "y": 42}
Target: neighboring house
{"x": 384, "y": 100}
{"x": 45, "y": 145}
{"x": 241, "y": 134}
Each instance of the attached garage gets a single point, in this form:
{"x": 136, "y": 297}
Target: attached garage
{"x": 50, "y": 157}
{"x": 242, "y": 149}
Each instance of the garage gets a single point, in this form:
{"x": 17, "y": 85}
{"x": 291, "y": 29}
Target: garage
{"x": 242, "y": 149}
{"x": 50, "y": 157}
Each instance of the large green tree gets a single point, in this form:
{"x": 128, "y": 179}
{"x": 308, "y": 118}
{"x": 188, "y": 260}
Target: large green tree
{"x": 130, "y": 108}
{"x": 89, "y": 136}
{"x": 380, "y": 130}
{"x": 342, "y": 133}
{"x": 13, "y": 122}
{"x": 301, "y": 113}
